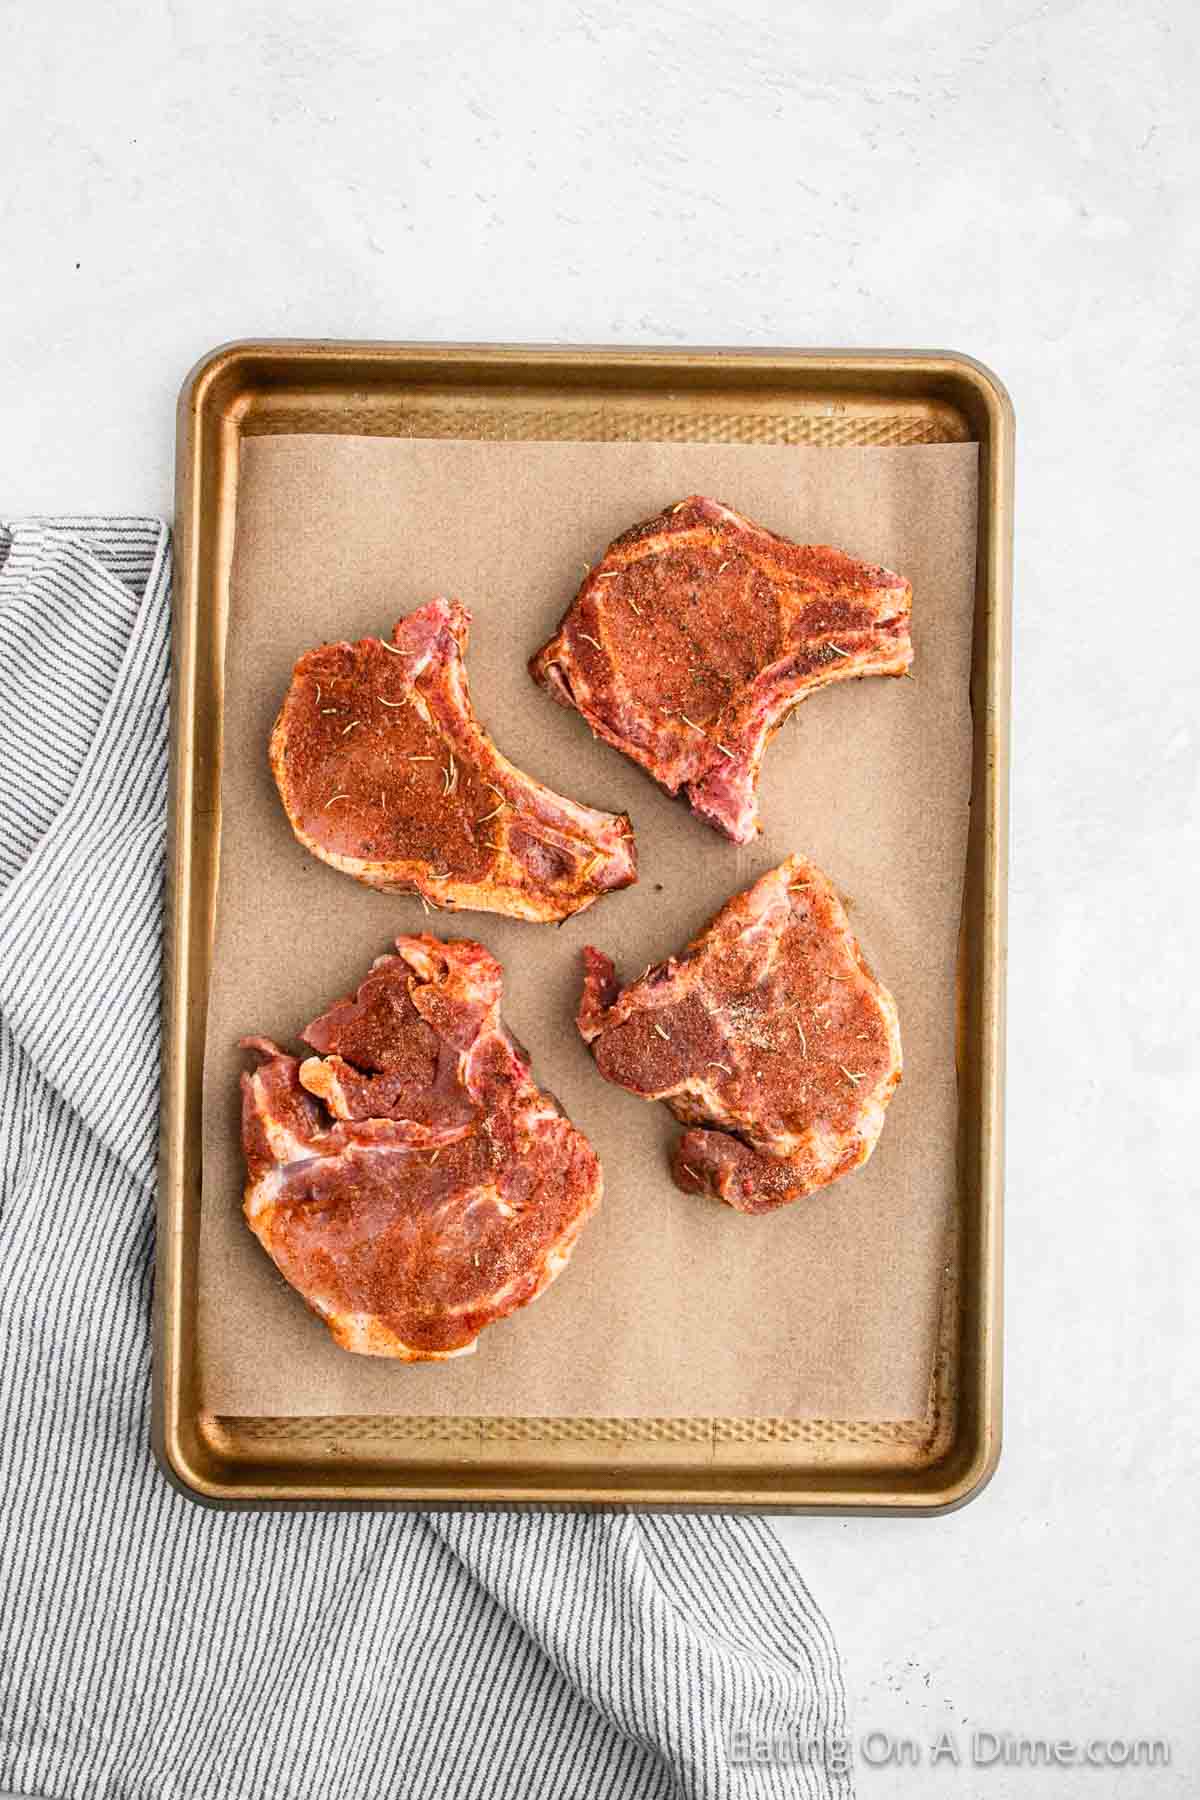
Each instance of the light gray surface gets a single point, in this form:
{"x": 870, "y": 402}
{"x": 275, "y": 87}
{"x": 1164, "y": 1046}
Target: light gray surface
{"x": 1013, "y": 179}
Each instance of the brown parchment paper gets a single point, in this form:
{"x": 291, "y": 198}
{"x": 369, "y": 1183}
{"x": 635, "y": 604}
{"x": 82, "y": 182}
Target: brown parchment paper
{"x": 672, "y": 1306}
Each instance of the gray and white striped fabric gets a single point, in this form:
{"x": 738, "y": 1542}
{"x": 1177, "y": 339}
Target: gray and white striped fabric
{"x": 150, "y": 1647}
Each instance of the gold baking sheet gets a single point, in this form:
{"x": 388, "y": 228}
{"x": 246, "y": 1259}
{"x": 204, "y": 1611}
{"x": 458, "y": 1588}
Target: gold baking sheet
{"x": 932, "y": 1458}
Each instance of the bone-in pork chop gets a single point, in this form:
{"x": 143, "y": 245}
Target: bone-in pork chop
{"x": 386, "y": 773}
{"x": 697, "y": 633}
{"x": 769, "y": 1037}
{"x": 411, "y": 1181}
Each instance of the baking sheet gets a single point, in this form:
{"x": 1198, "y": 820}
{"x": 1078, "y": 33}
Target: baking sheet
{"x": 672, "y": 1307}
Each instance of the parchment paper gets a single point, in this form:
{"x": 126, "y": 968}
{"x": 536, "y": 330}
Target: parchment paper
{"x": 672, "y": 1306}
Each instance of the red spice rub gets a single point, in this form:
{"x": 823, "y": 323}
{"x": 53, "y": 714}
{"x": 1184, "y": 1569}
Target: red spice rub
{"x": 412, "y": 1182}
{"x": 769, "y": 1036}
{"x": 698, "y": 632}
{"x": 386, "y": 773}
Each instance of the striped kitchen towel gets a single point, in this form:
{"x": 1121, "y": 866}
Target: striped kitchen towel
{"x": 150, "y": 1647}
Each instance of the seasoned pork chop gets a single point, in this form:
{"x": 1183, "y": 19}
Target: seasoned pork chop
{"x": 698, "y": 632}
{"x": 769, "y": 1037}
{"x": 411, "y": 1181}
{"x": 386, "y": 773}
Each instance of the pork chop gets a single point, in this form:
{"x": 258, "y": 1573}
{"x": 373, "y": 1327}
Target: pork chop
{"x": 697, "y": 633}
{"x": 769, "y": 1037}
{"x": 411, "y": 1181}
{"x": 386, "y": 773}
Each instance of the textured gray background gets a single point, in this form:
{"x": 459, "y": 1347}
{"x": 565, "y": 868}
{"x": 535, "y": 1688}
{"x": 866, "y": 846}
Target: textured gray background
{"x": 1014, "y": 179}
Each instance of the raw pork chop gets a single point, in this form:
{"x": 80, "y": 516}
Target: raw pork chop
{"x": 411, "y": 1180}
{"x": 386, "y": 773}
{"x": 698, "y": 632}
{"x": 770, "y": 1032}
